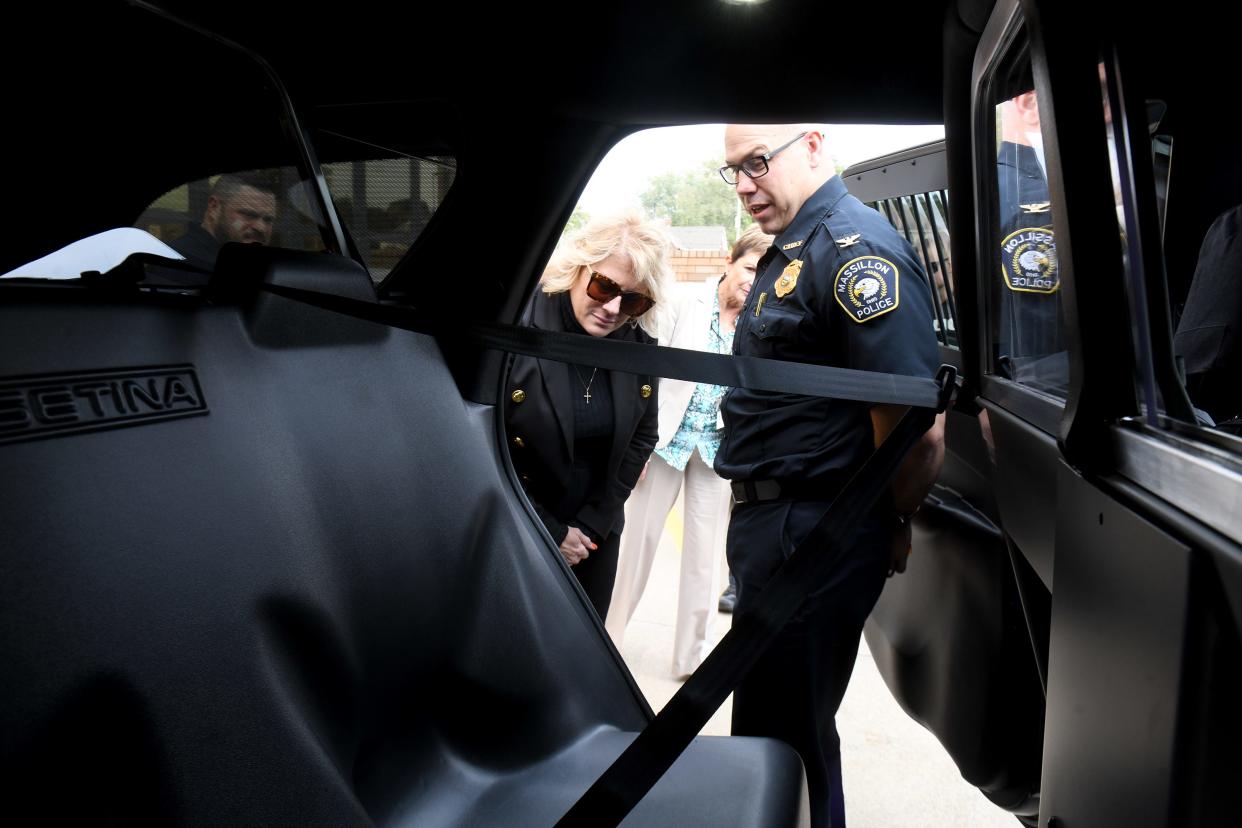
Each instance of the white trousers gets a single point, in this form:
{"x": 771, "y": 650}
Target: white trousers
{"x": 707, "y": 504}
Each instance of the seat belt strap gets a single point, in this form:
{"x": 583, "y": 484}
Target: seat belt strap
{"x": 755, "y": 373}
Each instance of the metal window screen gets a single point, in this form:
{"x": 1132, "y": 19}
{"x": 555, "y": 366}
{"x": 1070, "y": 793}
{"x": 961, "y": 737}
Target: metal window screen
{"x": 386, "y": 203}
{"x": 922, "y": 219}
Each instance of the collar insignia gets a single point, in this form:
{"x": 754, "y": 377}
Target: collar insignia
{"x": 792, "y": 245}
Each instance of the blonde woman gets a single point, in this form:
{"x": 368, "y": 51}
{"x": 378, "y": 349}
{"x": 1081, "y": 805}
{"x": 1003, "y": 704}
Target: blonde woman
{"x": 579, "y": 435}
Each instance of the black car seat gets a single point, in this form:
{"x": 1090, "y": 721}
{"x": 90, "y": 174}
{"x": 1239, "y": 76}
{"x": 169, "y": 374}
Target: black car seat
{"x": 262, "y": 564}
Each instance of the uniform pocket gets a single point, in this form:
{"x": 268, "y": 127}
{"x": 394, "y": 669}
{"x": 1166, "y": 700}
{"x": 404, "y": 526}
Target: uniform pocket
{"x": 775, "y": 322}
{"x": 776, "y": 332}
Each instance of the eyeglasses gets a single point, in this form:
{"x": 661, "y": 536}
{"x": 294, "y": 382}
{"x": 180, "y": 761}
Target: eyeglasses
{"x": 603, "y": 289}
{"x": 757, "y": 165}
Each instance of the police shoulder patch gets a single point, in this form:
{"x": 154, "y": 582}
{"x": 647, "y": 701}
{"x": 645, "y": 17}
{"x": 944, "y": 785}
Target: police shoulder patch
{"x": 1029, "y": 261}
{"x": 867, "y": 287}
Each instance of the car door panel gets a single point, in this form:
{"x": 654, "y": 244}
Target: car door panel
{"x": 950, "y": 640}
{"x": 1115, "y": 688}
{"x": 1026, "y": 487}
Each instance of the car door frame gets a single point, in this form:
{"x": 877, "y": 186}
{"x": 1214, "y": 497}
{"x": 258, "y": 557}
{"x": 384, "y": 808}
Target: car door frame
{"x": 1143, "y": 633}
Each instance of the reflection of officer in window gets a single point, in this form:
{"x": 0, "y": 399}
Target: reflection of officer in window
{"x": 241, "y": 208}
{"x": 1208, "y": 334}
{"x": 1030, "y": 307}
{"x": 838, "y": 287}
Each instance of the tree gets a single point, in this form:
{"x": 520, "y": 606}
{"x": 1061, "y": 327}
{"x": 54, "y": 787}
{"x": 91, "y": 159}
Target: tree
{"x": 577, "y": 219}
{"x": 698, "y": 198}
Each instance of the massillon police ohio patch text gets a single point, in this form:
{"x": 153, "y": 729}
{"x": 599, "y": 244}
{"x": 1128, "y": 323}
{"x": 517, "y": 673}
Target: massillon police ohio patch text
{"x": 1029, "y": 261}
{"x": 867, "y": 287}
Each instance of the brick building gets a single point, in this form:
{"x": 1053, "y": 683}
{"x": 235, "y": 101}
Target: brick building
{"x": 699, "y": 252}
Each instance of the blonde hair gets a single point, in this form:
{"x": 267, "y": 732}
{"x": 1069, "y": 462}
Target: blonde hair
{"x": 644, "y": 243}
{"x": 752, "y": 238}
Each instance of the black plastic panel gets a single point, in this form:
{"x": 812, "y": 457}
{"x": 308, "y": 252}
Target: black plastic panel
{"x": 1027, "y": 460}
{"x": 1116, "y": 656}
{"x": 319, "y": 603}
{"x": 1209, "y": 719}
{"x": 949, "y": 639}
{"x": 949, "y": 636}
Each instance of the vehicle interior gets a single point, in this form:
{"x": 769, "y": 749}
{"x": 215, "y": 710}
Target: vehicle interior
{"x": 266, "y": 557}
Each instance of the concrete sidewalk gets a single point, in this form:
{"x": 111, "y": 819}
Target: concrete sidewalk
{"x": 896, "y": 773}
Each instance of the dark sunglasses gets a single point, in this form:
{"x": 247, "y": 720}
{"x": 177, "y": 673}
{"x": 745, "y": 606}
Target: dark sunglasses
{"x": 603, "y": 289}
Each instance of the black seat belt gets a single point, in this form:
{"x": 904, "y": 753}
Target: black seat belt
{"x": 755, "y": 373}
{"x": 615, "y": 793}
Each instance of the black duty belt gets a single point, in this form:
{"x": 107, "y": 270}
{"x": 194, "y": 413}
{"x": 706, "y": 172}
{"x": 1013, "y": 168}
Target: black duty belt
{"x": 653, "y": 751}
{"x": 759, "y": 491}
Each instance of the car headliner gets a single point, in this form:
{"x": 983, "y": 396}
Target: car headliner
{"x": 527, "y": 99}
{"x": 644, "y": 62}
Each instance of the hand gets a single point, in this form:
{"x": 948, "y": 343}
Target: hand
{"x": 576, "y": 547}
{"x": 899, "y": 548}
{"x": 642, "y": 475}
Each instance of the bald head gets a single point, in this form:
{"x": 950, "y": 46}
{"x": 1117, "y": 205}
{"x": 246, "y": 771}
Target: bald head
{"x": 795, "y": 171}
{"x": 1020, "y": 119}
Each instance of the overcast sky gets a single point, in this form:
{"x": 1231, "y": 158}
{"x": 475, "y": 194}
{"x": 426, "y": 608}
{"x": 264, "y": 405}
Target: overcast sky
{"x": 625, "y": 171}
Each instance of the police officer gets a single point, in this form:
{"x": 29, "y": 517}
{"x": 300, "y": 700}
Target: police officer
{"x": 838, "y": 287}
{"x": 1031, "y": 339}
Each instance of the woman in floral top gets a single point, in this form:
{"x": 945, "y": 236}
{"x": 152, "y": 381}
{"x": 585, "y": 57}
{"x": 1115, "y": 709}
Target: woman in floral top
{"x": 689, "y": 437}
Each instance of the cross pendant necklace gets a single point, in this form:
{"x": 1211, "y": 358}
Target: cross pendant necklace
{"x": 586, "y": 384}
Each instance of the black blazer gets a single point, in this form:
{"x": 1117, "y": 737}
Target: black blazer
{"x": 539, "y": 421}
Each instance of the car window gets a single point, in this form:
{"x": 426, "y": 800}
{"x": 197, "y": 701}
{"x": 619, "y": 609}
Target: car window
{"x": 201, "y": 150}
{"x": 1206, "y": 338}
{"x": 923, "y": 220}
{"x": 199, "y": 157}
{"x": 386, "y": 203}
{"x": 1199, "y": 209}
{"x": 269, "y": 206}
{"x": 1028, "y": 343}
{"x": 910, "y": 189}
{"x": 1201, "y": 252}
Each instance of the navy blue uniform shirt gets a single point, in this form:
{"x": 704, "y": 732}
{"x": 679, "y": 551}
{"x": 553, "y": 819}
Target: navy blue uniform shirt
{"x": 1030, "y": 303}
{"x": 860, "y": 300}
